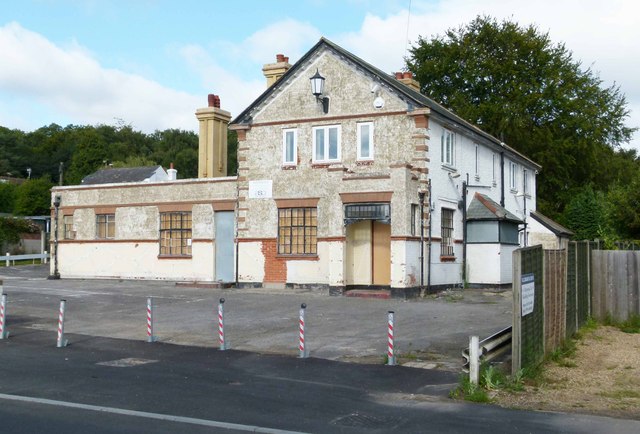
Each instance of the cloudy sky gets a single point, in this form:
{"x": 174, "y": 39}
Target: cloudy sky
{"x": 151, "y": 63}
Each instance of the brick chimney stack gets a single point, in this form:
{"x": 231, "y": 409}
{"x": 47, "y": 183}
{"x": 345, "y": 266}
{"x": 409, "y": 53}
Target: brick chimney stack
{"x": 212, "y": 144}
{"x": 407, "y": 79}
{"x": 273, "y": 71}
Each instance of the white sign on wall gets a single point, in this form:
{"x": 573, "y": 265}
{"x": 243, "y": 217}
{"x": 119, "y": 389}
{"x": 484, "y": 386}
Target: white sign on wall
{"x": 527, "y": 284}
{"x": 261, "y": 189}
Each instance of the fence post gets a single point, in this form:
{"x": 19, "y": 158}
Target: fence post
{"x": 44, "y": 258}
{"x": 474, "y": 359}
{"x": 3, "y": 305}
{"x": 391, "y": 358}
{"x": 61, "y": 342}
{"x": 150, "y": 336}
{"x": 223, "y": 346}
{"x": 304, "y": 351}
{"x": 8, "y": 258}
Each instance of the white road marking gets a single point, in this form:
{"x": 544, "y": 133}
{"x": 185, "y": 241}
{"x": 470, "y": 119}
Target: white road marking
{"x": 157, "y": 416}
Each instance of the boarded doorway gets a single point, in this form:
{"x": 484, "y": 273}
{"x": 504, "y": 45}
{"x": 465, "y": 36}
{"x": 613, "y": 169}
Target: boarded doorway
{"x": 368, "y": 253}
{"x": 224, "y": 246}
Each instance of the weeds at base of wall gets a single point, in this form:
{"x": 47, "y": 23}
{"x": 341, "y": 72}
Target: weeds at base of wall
{"x": 631, "y": 325}
{"x": 492, "y": 379}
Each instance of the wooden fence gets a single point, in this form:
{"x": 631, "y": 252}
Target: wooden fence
{"x": 615, "y": 284}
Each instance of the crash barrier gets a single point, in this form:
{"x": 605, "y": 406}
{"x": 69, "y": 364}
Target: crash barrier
{"x": 11, "y": 259}
{"x": 61, "y": 342}
{"x": 223, "y": 345}
{"x": 485, "y": 350}
{"x": 391, "y": 358}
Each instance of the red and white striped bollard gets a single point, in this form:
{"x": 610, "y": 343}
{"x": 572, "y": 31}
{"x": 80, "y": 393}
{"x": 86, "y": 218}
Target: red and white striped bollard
{"x": 150, "y": 336}
{"x": 304, "y": 351}
{"x": 3, "y": 306}
{"x": 61, "y": 342}
{"x": 391, "y": 358}
{"x": 223, "y": 345}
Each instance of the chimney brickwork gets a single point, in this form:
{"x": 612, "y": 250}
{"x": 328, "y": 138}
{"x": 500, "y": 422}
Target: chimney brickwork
{"x": 212, "y": 146}
{"x": 407, "y": 79}
{"x": 273, "y": 71}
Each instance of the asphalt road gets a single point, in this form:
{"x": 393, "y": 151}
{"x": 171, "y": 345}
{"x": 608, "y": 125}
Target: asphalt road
{"x": 103, "y": 385}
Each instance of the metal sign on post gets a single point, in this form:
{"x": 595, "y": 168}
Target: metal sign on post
{"x": 391, "y": 358}
{"x": 304, "y": 351}
{"x": 527, "y": 285}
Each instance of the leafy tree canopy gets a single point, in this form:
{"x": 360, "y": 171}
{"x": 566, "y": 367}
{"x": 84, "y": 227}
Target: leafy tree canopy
{"x": 519, "y": 86}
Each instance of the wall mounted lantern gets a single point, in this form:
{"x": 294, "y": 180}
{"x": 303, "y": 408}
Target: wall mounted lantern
{"x": 317, "y": 89}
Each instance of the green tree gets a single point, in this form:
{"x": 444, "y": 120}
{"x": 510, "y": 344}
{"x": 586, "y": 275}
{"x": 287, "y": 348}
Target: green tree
{"x": 33, "y": 197}
{"x": 11, "y": 228}
{"x": 519, "y": 86}
{"x": 623, "y": 205}
{"x": 586, "y": 214}
{"x": 7, "y": 197}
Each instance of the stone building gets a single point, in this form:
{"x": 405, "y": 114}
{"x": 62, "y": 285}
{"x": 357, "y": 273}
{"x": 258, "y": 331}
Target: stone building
{"x": 359, "y": 182}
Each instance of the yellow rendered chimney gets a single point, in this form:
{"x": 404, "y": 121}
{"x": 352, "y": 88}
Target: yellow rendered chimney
{"x": 212, "y": 147}
{"x": 273, "y": 71}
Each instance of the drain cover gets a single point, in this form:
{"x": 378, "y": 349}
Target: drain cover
{"x": 126, "y": 363}
{"x": 360, "y": 420}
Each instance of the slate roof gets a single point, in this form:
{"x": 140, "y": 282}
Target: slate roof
{"x": 123, "y": 174}
{"x": 483, "y": 208}
{"x": 413, "y": 97}
{"x": 553, "y": 226}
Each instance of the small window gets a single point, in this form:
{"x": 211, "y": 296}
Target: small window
{"x": 289, "y": 147}
{"x": 446, "y": 245}
{"x": 525, "y": 181}
{"x": 477, "y": 163}
{"x": 326, "y": 144}
{"x": 69, "y": 233}
{"x": 365, "y": 141}
{"x": 513, "y": 176}
{"x": 447, "y": 147}
{"x": 298, "y": 231}
{"x": 175, "y": 234}
{"x": 105, "y": 226}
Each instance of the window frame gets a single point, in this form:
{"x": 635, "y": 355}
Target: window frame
{"x": 525, "y": 182}
{"x": 326, "y": 145}
{"x": 359, "y": 136}
{"x": 447, "y": 147}
{"x": 446, "y": 233}
{"x": 166, "y": 246}
{"x": 493, "y": 168}
{"x": 294, "y": 160}
{"x": 513, "y": 176}
{"x": 67, "y": 232}
{"x": 105, "y": 221}
{"x": 415, "y": 214}
{"x": 286, "y": 236}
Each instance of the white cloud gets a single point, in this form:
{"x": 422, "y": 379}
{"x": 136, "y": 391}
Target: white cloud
{"x": 71, "y": 82}
{"x": 602, "y": 35}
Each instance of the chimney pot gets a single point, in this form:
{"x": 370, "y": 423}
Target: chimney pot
{"x": 216, "y": 101}
{"x": 279, "y": 58}
{"x": 399, "y": 75}
{"x": 210, "y": 99}
{"x": 286, "y": 59}
{"x": 408, "y": 74}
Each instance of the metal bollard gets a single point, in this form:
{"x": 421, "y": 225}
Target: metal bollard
{"x": 61, "y": 342}
{"x": 150, "y": 336}
{"x": 474, "y": 362}
{"x": 304, "y": 351}
{"x": 223, "y": 346}
{"x": 4, "y": 334}
{"x": 391, "y": 358}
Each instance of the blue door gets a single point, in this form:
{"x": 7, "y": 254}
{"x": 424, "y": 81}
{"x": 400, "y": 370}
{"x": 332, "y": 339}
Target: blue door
{"x": 225, "y": 270}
